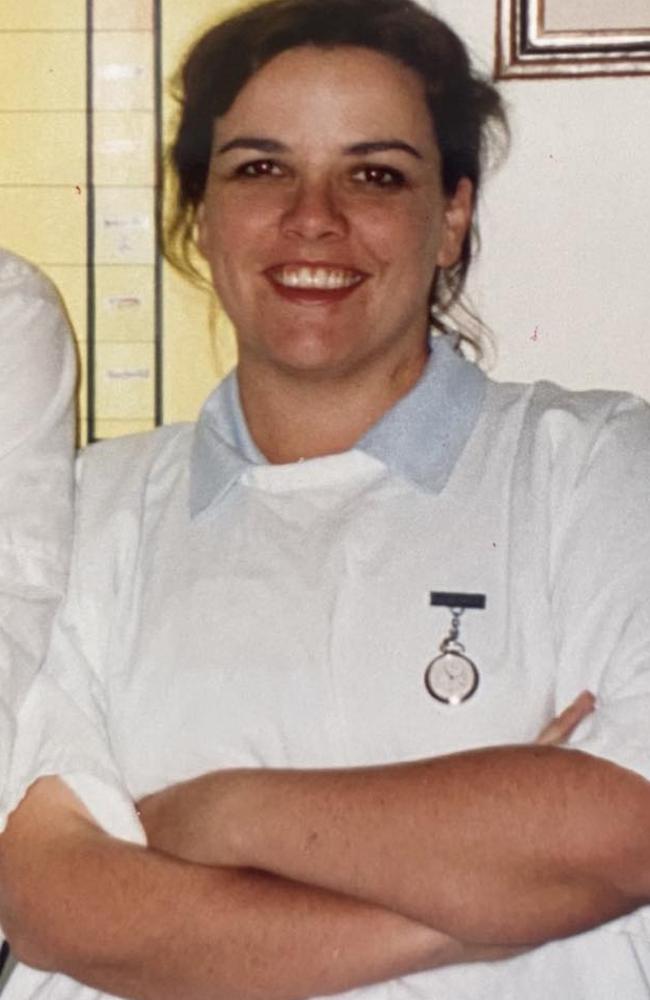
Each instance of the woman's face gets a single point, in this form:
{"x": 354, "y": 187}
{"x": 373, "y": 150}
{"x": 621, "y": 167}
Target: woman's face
{"x": 324, "y": 217}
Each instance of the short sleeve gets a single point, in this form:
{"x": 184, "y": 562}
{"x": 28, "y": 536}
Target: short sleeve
{"x": 37, "y": 379}
{"x": 601, "y": 584}
{"x": 61, "y": 726}
{"x": 61, "y": 731}
{"x": 601, "y": 590}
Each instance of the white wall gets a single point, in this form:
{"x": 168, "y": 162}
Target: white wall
{"x": 565, "y": 224}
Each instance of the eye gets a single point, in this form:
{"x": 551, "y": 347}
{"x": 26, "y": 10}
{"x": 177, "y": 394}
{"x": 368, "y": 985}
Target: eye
{"x": 259, "y": 168}
{"x": 380, "y": 176}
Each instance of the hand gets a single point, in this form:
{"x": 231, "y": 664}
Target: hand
{"x": 562, "y": 726}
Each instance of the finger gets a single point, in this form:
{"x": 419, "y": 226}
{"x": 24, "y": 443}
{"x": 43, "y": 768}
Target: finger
{"x": 562, "y": 726}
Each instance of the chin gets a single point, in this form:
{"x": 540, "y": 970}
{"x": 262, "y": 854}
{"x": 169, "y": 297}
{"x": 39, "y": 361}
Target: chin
{"x": 311, "y": 353}
{"x": 313, "y": 364}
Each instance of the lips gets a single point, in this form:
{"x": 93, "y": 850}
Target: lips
{"x": 314, "y": 281}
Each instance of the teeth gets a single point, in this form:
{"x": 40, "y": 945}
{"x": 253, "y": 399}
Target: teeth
{"x": 316, "y": 277}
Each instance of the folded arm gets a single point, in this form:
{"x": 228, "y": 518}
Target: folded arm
{"x": 138, "y": 923}
{"x": 511, "y": 845}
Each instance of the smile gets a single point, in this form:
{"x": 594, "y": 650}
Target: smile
{"x": 317, "y": 277}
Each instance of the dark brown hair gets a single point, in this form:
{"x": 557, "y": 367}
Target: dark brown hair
{"x": 466, "y": 111}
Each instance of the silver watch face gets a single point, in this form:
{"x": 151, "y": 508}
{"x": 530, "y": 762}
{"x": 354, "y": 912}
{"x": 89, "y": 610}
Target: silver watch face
{"x": 451, "y": 678}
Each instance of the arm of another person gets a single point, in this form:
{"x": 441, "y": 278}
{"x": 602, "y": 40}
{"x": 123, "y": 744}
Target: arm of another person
{"x": 514, "y": 845}
{"x": 37, "y": 379}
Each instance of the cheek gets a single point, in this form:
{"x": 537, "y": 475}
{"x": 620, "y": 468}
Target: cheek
{"x": 249, "y": 210}
{"x": 225, "y": 217}
{"x": 402, "y": 235}
{"x": 221, "y": 238}
{"x": 407, "y": 245}
{"x": 233, "y": 241}
{"x": 424, "y": 241}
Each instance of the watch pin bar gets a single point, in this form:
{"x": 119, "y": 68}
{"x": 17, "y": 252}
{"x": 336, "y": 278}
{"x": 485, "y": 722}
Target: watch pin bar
{"x": 443, "y": 599}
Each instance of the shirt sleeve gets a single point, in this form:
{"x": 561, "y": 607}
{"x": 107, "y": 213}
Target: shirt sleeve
{"x": 37, "y": 380}
{"x": 62, "y": 732}
{"x": 62, "y": 726}
{"x": 601, "y": 593}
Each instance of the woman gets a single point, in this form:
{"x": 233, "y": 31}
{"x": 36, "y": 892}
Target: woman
{"x": 330, "y": 800}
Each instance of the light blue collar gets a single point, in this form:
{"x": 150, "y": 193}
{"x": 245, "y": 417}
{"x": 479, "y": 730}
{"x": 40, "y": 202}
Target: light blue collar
{"x": 419, "y": 439}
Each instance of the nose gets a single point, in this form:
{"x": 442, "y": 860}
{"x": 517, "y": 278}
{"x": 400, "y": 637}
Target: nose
{"x": 314, "y": 212}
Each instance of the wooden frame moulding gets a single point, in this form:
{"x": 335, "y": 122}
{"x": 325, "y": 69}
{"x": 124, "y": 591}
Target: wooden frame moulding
{"x": 528, "y": 47}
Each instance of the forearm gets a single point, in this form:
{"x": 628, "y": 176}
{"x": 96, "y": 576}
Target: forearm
{"x": 510, "y": 845}
{"x": 140, "y": 924}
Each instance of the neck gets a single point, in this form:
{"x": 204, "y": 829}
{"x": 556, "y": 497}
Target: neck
{"x": 291, "y": 416}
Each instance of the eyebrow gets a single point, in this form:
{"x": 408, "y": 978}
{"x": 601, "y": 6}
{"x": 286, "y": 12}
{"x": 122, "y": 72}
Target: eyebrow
{"x": 252, "y": 142}
{"x": 385, "y": 146}
{"x": 357, "y": 149}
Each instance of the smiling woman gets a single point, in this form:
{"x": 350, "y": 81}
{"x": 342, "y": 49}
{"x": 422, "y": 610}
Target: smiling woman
{"x": 334, "y": 162}
{"x": 463, "y": 111}
{"x": 336, "y": 794}
{"x": 323, "y": 242}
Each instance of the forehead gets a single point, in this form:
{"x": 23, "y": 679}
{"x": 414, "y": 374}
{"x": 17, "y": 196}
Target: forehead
{"x": 323, "y": 92}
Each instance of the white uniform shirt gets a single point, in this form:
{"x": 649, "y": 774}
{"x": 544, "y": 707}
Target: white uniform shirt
{"x": 226, "y": 612}
{"x": 37, "y": 376}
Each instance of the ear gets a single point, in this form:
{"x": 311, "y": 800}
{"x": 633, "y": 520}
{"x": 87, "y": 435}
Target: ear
{"x": 457, "y": 220}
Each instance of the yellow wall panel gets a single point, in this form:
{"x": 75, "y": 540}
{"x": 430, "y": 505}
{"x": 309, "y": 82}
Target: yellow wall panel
{"x": 195, "y": 354}
{"x": 199, "y": 345}
{"x": 124, "y": 148}
{"x": 124, "y": 226}
{"x": 71, "y": 280}
{"x": 42, "y": 71}
{"x": 123, "y": 71}
{"x": 47, "y": 225}
{"x": 82, "y": 396}
{"x": 124, "y": 386}
{"x": 125, "y": 303}
{"x": 43, "y": 148}
{"x": 118, "y": 428}
{"x": 116, "y": 15}
{"x": 43, "y": 196}
{"x": 43, "y": 15}
{"x": 182, "y": 23}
